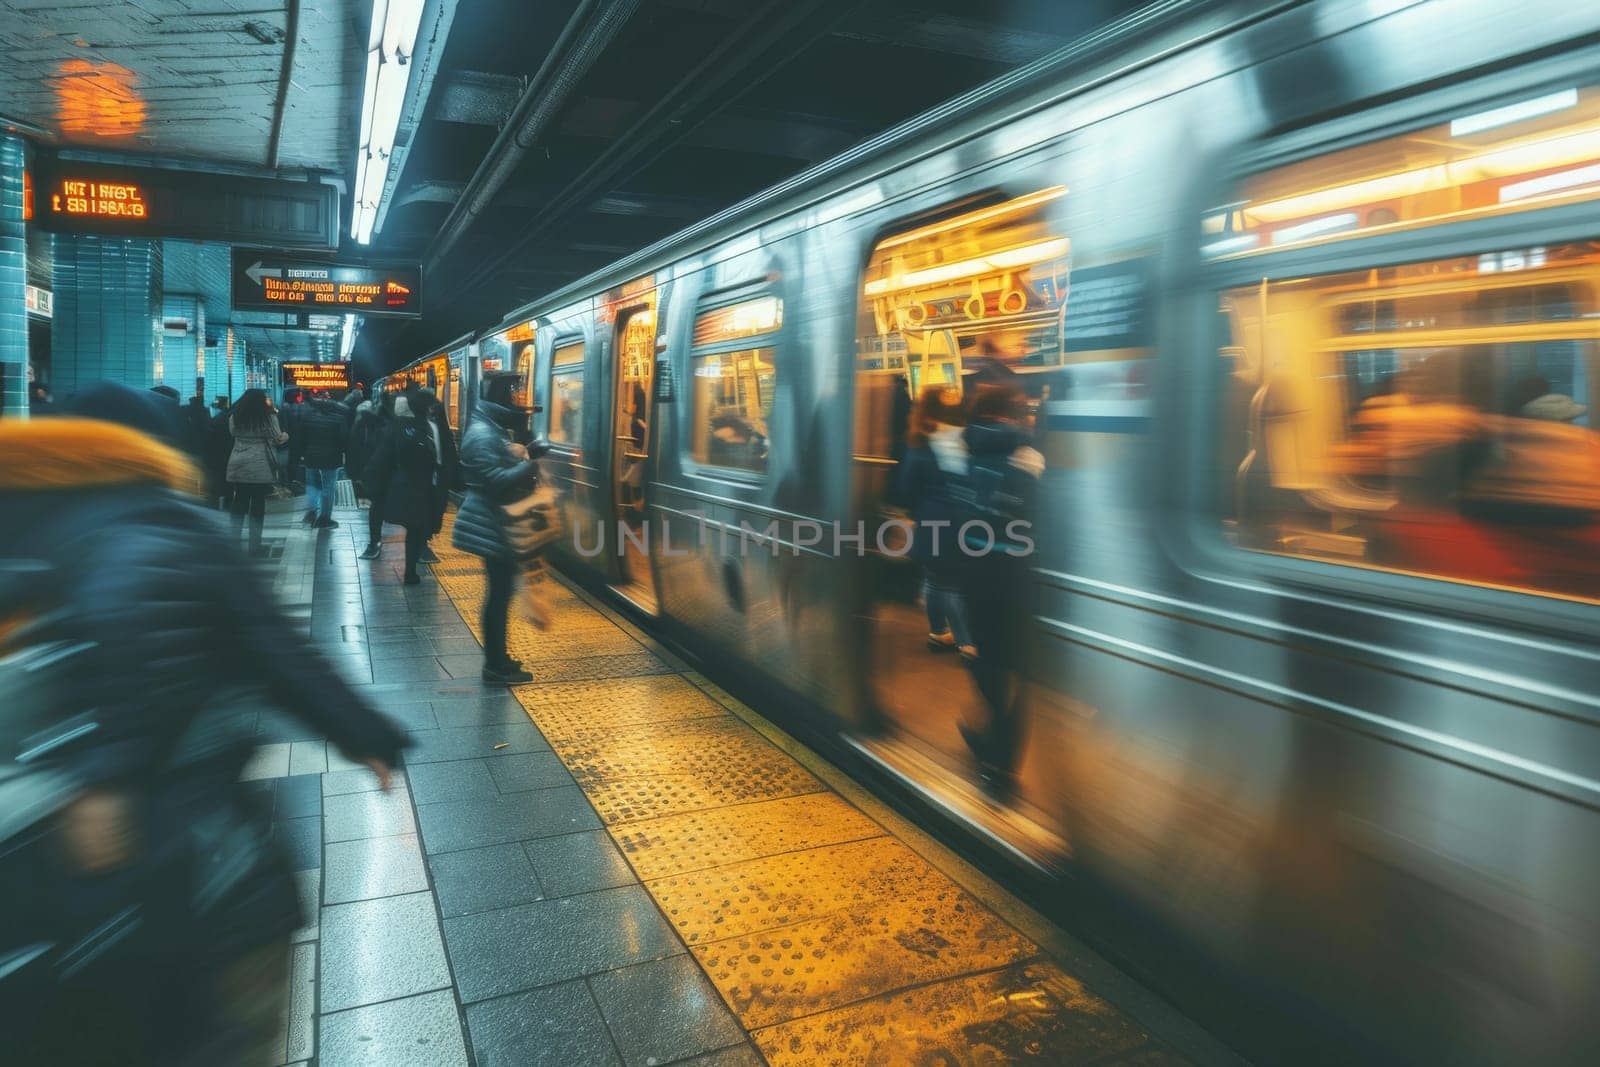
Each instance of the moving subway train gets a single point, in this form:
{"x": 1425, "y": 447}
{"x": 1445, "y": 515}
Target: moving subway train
{"x": 1306, "y": 299}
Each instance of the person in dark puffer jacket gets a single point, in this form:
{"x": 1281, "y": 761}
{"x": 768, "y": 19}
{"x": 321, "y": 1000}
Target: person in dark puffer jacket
{"x": 498, "y": 471}
{"x": 162, "y": 619}
{"x": 320, "y": 442}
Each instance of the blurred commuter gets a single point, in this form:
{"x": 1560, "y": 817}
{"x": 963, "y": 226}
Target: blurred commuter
{"x": 40, "y": 402}
{"x": 253, "y": 467}
{"x": 171, "y": 408}
{"x": 930, "y": 483}
{"x": 1003, "y": 475}
{"x": 498, "y": 471}
{"x": 365, "y": 439}
{"x": 219, "y": 446}
{"x": 196, "y": 428}
{"x": 406, "y": 466}
{"x": 144, "y": 879}
{"x": 449, "y": 464}
{"x": 321, "y": 448}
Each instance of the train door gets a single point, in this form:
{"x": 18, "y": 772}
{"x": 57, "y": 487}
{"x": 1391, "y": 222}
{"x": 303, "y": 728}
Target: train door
{"x": 947, "y": 308}
{"x": 635, "y": 356}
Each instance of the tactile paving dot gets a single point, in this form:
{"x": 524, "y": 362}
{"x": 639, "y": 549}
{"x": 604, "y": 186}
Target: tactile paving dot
{"x": 1029, "y": 1013}
{"x": 677, "y": 844}
{"x": 774, "y": 891}
{"x": 571, "y": 709}
{"x": 927, "y": 934}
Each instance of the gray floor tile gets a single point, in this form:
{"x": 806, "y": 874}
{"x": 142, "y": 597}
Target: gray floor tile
{"x": 472, "y": 742}
{"x": 408, "y": 670}
{"x": 268, "y": 761}
{"x": 308, "y": 892}
{"x": 578, "y": 863}
{"x": 663, "y": 1010}
{"x": 491, "y": 708}
{"x": 483, "y": 879}
{"x": 361, "y": 780}
{"x": 529, "y": 770}
{"x": 377, "y": 950}
{"x": 459, "y": 824}
{"x": 409, "y": 716}
{"x": 301, "y": 1038}
{"x": 463, "y": 779}
{"x": 301, "y": 842}
{"x": 374, "y": 867}
{"x": 298, "y": 797}
{"x": 463, "y": 664}
{"x": 420, "y": 1031}
{"x": 513, "y": 949}
{"x": 558, "y": 1026}
{"x": 402, "y": 648}
{"x": 354, "y": 815}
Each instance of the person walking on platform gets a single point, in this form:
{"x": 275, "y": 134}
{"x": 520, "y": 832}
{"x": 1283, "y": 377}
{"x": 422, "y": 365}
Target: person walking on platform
{"x": 144, "y": 879}
{"x": 321, "y": 448}
{"x": 406, "y": 467}
{"x": 1003, "y": 476}
{"x": 197, "y": 428}
{"x": 371, "y": 426}
{"x": 253, "y": 462}
{"x": 497, "y": 471}
{"x": 449, "y": 463}
{"x": 219, "y": 446}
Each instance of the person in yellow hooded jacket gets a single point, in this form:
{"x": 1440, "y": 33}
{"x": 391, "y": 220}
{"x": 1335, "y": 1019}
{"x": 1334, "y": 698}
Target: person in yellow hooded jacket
{"x": 148, "y": 910}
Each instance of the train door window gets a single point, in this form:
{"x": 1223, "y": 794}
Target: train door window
{"x": 1514, "y": 156}
{"x": 452, "y": 394}
{"x": 1430, "y": 417}
{"x": 566, "y": 394}
{"x": 964, "y": 298}
{"x": 734, "y": 374}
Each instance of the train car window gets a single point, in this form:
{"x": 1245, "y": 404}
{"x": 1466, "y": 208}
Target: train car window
{"x": 977, "y": 294}
{"x": 1516, "y": 156}
{"x": 566, "y": 394}
{"x": 734, "y": 372}
{"x": 1432, "y": 418}
{"x": 452, "y": 396}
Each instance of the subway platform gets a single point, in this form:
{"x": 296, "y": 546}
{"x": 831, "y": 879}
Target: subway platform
{"x": 621, "y": 864}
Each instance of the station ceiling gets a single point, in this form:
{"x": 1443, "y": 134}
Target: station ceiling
{"x": 665, "y": 112}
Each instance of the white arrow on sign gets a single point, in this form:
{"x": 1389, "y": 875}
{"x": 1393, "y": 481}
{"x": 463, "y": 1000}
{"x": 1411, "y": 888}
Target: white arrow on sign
{"x": 255, "y": 272}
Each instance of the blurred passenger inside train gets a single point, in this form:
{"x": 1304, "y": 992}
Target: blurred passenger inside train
{"x": 1547, "y": 405}
{"x": 1003, "y": 473}
{"x": 219, "y": 445}
{"x": 931, "y": 484}
{"x": 449, "y": 469}
{"x": 253, "y": 464}
{"x": 405, "y": 470}
{"x": 320, "y": 442}
{"x": 737, "y": 441}
{"x": 498, "y": 470}
{"x": 144, "y": 878}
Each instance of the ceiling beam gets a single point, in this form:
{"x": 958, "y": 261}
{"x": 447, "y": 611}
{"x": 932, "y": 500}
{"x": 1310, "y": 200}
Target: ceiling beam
{"x": 955, "y": 35}
{"x": 476, "y": 98}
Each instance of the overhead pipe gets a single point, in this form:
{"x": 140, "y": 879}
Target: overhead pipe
{"x": 583, "y": 40}
{"x": 285, "y": 75}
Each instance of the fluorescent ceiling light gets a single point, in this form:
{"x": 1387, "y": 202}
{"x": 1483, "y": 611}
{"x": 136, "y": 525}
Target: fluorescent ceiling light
{"x": 1550, "y": 183}
{"x": 1011, "y": 259}
{"x": 390, "y": 43}
{"x": 1315, "y": 228}
{"x": 1237, "y": 243}
{"x": 1505, "y": 116}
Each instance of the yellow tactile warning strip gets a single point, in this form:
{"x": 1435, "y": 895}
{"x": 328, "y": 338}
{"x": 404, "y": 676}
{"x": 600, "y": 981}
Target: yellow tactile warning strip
{"x": 831, "y": 941}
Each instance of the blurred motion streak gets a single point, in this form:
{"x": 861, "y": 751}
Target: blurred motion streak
{"x": 98, "y": 99}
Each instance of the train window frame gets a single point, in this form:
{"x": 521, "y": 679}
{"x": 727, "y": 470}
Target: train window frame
{"x": 1207, "y": 550}
{"x": 772, "y": 341}
{"x": 579, "y": 368}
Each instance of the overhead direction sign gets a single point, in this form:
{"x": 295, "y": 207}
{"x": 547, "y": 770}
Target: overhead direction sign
{"x": 268, "y": 281}
{"x": 316, "y": 375}
{"x": 70, "y": 196}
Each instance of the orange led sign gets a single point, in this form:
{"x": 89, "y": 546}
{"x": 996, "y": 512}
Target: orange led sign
{"x": 316, "y": 375}
{"x": 264, "y": 281}
{"x": 80, "y": 196}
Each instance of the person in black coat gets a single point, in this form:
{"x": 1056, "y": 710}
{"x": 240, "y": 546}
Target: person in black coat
{"x": 1003, "y": 473}
{"x": 403, "y": 472}
{"x": 155, "y": 615}
{"x": 197, "y": 428}
{"x": 449, "y": 461}
{"x": 498, "y": 471}
{"x": 219, "y": 446}
{"x": 322, "y": 437}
